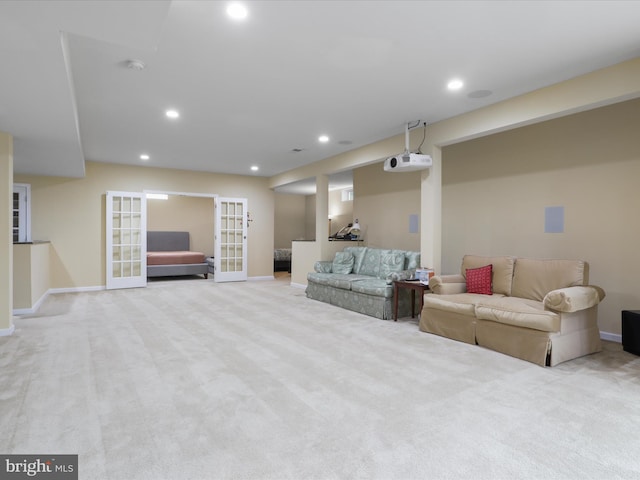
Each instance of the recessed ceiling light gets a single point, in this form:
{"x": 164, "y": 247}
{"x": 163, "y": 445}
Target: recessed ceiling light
{"x": 172, "y": 113}
{"x": 144, "y": 156}
{"x": 455, "y": 84}
{"x": 323, "y": 138}
{"x": 237, "y": 11}
{"x": 255, "y": 168}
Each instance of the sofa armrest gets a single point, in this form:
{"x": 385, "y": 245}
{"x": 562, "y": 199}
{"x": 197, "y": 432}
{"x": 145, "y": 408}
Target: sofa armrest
{"x": 323, "y": 266}
{"x": 447, "y": 284}
{"x": 573, "y": 299}
{"x": 402, "y": 275}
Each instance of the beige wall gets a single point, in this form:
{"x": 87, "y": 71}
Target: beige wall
{"x": 31, "y": 278}
{"x": 71, "y": 214}
{"x": 383, "y": 202}
{"x": 289, "y": 219}
{"x": 184, "y": 214}
{"x": 607, "y": 86}
{"x": 341, "y": 213}
{"x": 495, "y": 190}
{"x": 6, "y": 239}
{"x": 310, "y": 217}
{"x": 22, "y": 277}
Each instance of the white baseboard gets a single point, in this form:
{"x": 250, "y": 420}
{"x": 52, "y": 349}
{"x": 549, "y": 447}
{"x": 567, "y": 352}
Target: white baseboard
{"x": 29, "y": 311}
{"x": 5, "y": 332}
{"x": 611, "y": 337}
{"x": 18, "y": 312}
{"x": 34, "y": 308}
{"x": 298, "y": 285}
{"x": 77, "y": 289}
{"x": 261, "y": 279}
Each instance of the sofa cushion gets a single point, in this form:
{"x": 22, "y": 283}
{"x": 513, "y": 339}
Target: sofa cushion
{"x": 518, "y": 312}
{"x": 461, "y": 303}
{"x": 371, "y": 262}
{"x": 373, "y": 286}
{"x": 411, "y": 259}
{"x": 358, "y": 256}
{"x": 323, "y": 266}
{"x": 337, "y": 280}
{"x": 479, "y": 280}
{"x": 391, "y": 263}
{"x": 343, "y": 262}
{"x": 533, "y": 278}
{"x": 502, "y": 270}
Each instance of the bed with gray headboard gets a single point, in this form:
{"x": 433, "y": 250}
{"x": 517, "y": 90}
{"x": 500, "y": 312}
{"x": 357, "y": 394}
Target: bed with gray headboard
{"x": 168, "y": 255}
{"x": 282, "y": 260}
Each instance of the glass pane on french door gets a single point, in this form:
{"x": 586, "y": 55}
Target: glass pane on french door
{"x": 231, "y": 241}
{"x": 126, "y": 229}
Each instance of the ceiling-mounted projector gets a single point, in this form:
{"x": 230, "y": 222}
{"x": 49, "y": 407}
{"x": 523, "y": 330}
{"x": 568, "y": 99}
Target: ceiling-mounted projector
{"x": 407, "y": 162}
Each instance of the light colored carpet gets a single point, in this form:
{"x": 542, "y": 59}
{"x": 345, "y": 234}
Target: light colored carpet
{"x": 197, "y": 380}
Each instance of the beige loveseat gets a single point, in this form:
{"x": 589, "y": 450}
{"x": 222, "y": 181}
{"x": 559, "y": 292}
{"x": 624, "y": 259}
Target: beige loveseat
{"x": 542, "y": 311}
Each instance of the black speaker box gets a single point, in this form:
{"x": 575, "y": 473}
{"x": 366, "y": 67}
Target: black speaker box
{"x": 631, "y": 331}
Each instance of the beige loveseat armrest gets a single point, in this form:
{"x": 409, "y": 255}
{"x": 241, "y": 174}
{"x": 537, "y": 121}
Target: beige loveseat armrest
{"x": 323, "y": 266}
{"x": 447, "y": 284}
{"x": 573, "y": 299}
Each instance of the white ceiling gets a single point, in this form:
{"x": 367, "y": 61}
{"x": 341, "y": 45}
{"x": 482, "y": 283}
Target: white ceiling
{"x": 250, "y": 92}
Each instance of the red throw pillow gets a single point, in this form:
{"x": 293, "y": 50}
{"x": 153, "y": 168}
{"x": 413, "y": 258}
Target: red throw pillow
{"x": 479, "y": 280}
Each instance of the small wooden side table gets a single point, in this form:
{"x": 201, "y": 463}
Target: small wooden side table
{"x": 414, "y": 286}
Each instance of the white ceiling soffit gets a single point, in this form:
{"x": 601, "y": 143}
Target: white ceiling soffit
{"x": 37, "y": 104}
{"x": 337, "y": 181}
{"x": 252, "y": 92}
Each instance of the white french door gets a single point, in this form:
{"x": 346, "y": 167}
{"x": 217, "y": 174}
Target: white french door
{"x": 231, "y": 239}
{"x": 21, "y": 212}
{"x": 126, "y": 231}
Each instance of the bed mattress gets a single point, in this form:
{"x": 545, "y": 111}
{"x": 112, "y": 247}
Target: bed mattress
{"x": 174, "y": 258}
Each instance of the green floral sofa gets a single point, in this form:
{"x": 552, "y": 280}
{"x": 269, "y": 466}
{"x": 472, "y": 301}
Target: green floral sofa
{"x": 361, "y": 279}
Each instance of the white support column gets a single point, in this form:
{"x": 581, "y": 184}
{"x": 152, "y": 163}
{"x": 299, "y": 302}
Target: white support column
{"x": 431, "y": 213}
{"x": 6, "y": 239}
{"x": 322, "y": 215}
